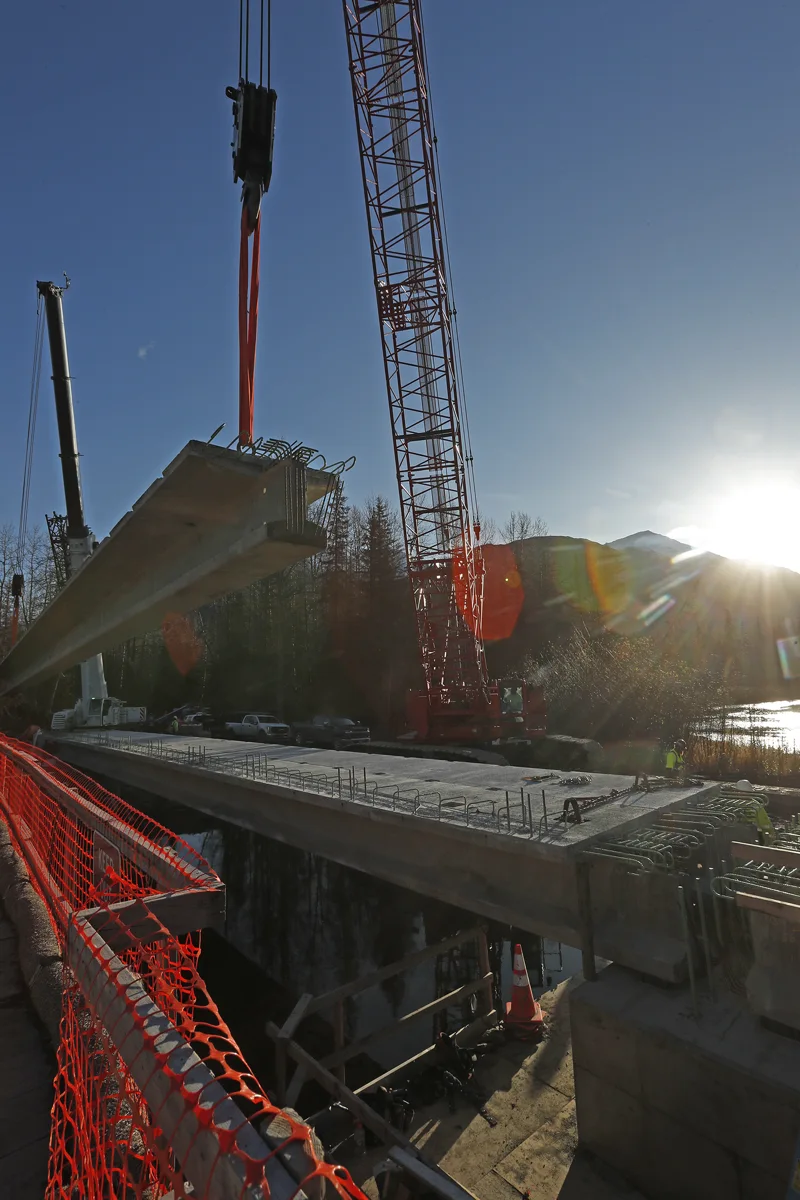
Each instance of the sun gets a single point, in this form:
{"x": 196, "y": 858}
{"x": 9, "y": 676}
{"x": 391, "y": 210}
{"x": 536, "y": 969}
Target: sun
{"x": 756, "y": 522}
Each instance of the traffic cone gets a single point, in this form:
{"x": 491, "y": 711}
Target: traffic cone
{"x": 524, "y": 1015}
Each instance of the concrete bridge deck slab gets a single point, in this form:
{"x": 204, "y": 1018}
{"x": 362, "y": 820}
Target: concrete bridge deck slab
{"x": 461, "y": 832}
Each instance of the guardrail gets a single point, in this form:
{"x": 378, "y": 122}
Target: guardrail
{"x": 152, "y": 1094}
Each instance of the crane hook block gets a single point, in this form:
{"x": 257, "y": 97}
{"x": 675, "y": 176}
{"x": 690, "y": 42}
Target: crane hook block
{"x": 17, "y": 584}
{"x": 253, "y": 133}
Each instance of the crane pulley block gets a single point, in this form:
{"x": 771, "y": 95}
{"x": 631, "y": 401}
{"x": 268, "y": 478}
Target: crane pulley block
{"x": 253, "y": 132}
{"x": 17, "y": 585}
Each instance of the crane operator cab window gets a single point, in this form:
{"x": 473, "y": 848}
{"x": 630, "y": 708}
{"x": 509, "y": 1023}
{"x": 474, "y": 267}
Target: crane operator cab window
{"x": 511, "y": 703}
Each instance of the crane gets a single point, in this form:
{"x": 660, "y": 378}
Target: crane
{"x": 459, "y": 702}
{"x": 95, "y": 706}
{"x": 397, "y": 146}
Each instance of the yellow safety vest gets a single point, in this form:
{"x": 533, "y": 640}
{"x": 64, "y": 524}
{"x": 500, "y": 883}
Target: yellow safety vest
{"x": 760, "y": 818}
{"x": 674, "y": 760}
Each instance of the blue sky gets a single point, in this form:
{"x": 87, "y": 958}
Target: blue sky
{"x": 622, "y": 187}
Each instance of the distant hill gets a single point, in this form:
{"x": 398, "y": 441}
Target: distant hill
{"x": 713, "y": 611}
{"x": 647, "y": 540}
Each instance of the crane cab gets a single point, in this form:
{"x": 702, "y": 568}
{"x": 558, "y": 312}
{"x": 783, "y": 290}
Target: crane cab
{"x": 509, "y": 710}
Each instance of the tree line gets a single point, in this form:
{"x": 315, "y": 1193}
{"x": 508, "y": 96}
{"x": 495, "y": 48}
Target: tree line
{"x": 336, "y": 633}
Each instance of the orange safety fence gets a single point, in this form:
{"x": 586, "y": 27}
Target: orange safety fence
{"x": 152, "y": 1095}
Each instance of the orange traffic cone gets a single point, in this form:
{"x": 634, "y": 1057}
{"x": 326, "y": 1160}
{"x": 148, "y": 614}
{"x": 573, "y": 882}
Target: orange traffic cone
{"x": 524, "y": 1015}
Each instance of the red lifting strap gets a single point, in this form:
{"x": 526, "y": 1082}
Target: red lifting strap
{"x": 248, "y": 325}
{"x": 15, "y": 621}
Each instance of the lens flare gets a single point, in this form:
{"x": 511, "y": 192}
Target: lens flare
{"x": 183, "y": 645}
{"x": 503, "y": 592}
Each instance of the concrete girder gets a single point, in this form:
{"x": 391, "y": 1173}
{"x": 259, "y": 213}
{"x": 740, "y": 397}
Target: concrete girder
{"x": 215, "y": 521}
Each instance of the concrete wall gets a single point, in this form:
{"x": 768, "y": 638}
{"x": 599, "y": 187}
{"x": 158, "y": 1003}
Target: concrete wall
{"x": 637, "y": 919}
{"x": 685, "y": 1109}
{"x": 773, "y": 983}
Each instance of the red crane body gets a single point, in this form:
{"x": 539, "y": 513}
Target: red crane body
{"x": 397, "y": 149}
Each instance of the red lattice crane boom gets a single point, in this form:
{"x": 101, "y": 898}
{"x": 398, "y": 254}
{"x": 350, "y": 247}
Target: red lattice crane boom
{"x": 397, "y": 149}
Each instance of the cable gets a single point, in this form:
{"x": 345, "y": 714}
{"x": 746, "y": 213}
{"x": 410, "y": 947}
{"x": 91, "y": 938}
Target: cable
{"x": 247, "y": 44}
{"x": 240, "y": 39}
{"x": 17, "y": 583}
{"x": 472, "y": 490}
{"x": 261, "y": 45}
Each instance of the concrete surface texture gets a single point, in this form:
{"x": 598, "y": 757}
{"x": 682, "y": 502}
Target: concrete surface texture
{"x": 438, "y": 828}
{"x": 39, "y": 952}
{"x": 214, "y": 522}
{"x": 533, "y": 1149}
{"x": 773, "y": 983}
{"x": 702, "y": 1109}
{"x": 26, "y": 1081}
{"x": 434, "y": 790}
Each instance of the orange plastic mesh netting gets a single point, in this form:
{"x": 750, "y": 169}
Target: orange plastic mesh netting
{"x": 152, "y": 1095}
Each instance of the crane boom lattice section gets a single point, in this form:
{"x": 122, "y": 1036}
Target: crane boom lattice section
{"x": 396, "y": 144}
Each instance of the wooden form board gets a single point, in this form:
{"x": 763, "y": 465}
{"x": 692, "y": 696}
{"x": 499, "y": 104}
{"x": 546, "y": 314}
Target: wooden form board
{"x": 432, "y": 1178}
{"x": 774, "y": 856}
{"x": 327, "y": 999}
{"x": 786, "y": 910}
{"x": 426, "y": 1010}
{"x": 335, "y": 999}
{"x": 178, "y": 912}
{"x": 308, "y": 1066}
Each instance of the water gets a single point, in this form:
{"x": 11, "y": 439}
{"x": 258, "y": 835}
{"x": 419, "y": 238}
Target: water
{"x": 776, "y": 722}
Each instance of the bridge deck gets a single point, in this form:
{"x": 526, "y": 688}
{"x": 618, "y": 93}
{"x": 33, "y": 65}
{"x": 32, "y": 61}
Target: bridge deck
{"x": 463, "y": 833}
{"x": 486, "y": 798}
{"x": 27, "y": 1068}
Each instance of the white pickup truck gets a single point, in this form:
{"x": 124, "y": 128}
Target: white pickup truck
{"x": 255, "y": 727}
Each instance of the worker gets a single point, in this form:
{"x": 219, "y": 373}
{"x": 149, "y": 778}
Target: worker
{"x": 513, "y": 701}
{"x": 676, "y": 761}
{"x": 174, "y": 725}
{"x": 756, "y": 813}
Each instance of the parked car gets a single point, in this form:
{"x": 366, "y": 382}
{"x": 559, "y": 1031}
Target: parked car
{"x": 333, "y": 732}
{"x": 254, "y": 727}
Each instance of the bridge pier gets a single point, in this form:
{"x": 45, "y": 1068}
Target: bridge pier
{"x": 703, "y": 1108}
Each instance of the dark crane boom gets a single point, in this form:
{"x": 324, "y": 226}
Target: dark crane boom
{"x": 80, "y": 540}
{"x": 65, "y": 414}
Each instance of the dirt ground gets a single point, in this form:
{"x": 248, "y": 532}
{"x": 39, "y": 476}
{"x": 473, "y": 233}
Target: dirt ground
{"x": 533, "y": 1150}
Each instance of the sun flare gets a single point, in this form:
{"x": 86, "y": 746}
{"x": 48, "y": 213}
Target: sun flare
{"x": 757, "y": 523}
